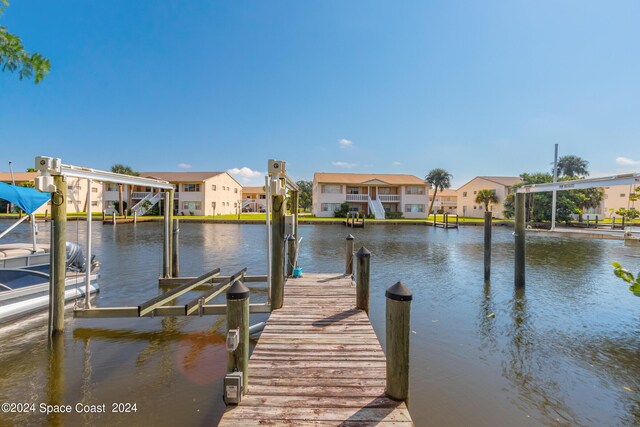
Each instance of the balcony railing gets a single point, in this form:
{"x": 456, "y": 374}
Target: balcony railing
{"x": 142, "y": 194}
{"x": 389, "y": 197}
{"x": 357, "y": 197}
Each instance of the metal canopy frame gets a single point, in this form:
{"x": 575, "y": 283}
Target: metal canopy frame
{"x": 607, "y": 181}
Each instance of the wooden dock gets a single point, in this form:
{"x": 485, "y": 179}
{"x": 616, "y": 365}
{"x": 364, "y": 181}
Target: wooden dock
{"x": 318, "y": 362}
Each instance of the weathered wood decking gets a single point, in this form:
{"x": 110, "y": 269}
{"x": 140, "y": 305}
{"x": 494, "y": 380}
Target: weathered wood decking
{"x": 318, "y": 362}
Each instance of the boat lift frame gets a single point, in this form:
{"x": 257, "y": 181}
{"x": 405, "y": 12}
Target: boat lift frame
{"x": 520, "y": 229}
{"x": 278, "y": 183}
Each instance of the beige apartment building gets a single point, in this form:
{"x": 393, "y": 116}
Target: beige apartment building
{"x": 196, "y": 193}
{"x": 446, "y": 201}
{"x": 466, "y": 195}
{"x": 617, "y": 197}
{"x": 254, "y": 199}
{"x": 370, "y": 193}
{"x": 76, "y": 192}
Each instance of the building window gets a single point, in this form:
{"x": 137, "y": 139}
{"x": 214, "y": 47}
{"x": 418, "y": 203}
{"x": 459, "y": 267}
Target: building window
{"x": 475, "y": 207}
{"x": 213, "y": 187}
{"x": 353, "y": 190}
{"x": 191, "y": 206}
{"x": 475, "y": 192}
{"x": 331, "y": 189}
{"x": 112, "y": 187}
{"x": 622, "y": 194}
{"x": 464, "y": 194}
{"x": 329, "y": 207}
{"x": 94, "y": 203}
{"x": 263, "y": 196}
{"x": 191, "y": 188}
{"x": 413, "y": 208}
{"x": 94, "y": 190}
{"x": 414, "y": 189}
{"x": 235, "y": 190}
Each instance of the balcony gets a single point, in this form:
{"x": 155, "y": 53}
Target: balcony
{"x": 389, "y": 198}
{"x": 137, "y": 195}
{"x": 357, "y": 197}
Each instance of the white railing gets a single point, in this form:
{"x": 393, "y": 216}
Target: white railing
{"x": 389, "y": 197}
{"x": 139, "y": 194}
{"x": 357, "y": 197}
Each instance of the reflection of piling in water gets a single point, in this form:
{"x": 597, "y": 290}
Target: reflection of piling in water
{"x": 519, "y": 241}
{"x": 55, "y": 387}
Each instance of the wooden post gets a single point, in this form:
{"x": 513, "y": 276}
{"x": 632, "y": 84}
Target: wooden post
{"x": 113, "y": 216}
{"x": 519, "y": 241}
{"x": 596, "y": 221}
{"x": 587, "y": 222}
{"x": 103, "y": 216}
{"x": 398, "y": 330}
{"x": 166, "y": 247}
{"x": 58, "y": 255}
{"x": 277, "y": 251}
{"x": 135, "y": 217}
{"x": 348, "y": 256}
{"x": 434, "y": 219}
{"x": 291, "y": 254}
{"x": 613, "y": 222}
{"x": 362, "y": 280}
{"x": 623, "y": 221}
{"x": 487, "y": 245}
{"x": 175, "y": 253}
{"x": 446, "y": 221}
{"x": 238, "y": 318}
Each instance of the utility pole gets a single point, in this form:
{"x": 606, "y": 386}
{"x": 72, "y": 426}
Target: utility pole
{"x": 554, "y": 198}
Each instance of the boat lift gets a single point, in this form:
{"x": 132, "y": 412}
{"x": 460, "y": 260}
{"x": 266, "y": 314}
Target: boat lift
{"x": 520, "y": 229}
{"x": 52, "y": 179}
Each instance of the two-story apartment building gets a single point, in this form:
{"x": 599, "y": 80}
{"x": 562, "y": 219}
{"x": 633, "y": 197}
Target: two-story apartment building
{"x": 254, "y": 199}
{"x": 446, "y": 201}
{"x": 76, "y": 192}
{"x": 466, "y": 195}
{"x": 370, "y": 193}
{"x": 196, "y": 193}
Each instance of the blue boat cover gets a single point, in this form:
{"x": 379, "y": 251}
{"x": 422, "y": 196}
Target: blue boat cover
{"x": 28, "y": 199}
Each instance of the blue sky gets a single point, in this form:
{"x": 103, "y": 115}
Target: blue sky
{"x": 477, "y": 87}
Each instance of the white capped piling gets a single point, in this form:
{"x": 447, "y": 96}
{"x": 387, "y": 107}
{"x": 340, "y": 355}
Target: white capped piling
{"x": 238, "y": 318}
{"x": 362, "y": 279}
{"x": 175, "y": 253}
{"x": 348, "y": 256}
{"x": 398, "y": 330}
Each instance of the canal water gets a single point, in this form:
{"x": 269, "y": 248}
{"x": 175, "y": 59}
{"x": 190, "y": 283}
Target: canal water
{"x": 563, "y": 352}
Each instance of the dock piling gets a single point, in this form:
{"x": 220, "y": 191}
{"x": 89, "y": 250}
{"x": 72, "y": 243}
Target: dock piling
{"x": 487, "y": 245}
{"x": 175, "y": 254}
{"x": 238, "y": 318}
{"x": 362, "y": 281}
{"x": 291, "y": 254}
{"x": 398, "y": 329}
{"x": 277, "y": 251}
{"x": 348, "y": 256}
{"x": 58, "y": 255}
{"x": 520, "y": 241}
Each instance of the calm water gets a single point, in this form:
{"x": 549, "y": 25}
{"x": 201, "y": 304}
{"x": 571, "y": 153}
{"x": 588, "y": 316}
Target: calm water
{"x": 560, "y": 353}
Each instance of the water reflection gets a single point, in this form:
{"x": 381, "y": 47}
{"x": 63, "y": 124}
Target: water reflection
{"x": 55, "y": 379}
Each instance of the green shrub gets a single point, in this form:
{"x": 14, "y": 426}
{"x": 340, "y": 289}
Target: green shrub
{"x": 393, "y": 215}
{"x": 342, "y": 211}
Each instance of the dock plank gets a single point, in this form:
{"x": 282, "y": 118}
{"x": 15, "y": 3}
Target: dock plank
{"x": 318, "y": 362}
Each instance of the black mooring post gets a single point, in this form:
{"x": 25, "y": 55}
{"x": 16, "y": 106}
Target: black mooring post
{"x": 519, "y": 241}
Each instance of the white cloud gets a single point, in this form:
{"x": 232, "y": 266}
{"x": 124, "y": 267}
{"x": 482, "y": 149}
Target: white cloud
{"x": 247, "y": 175}
{"x": 343, "y": 164}
{"x": 396, "y": 163}
{"x": 625, "y": 161}
{"x": 344, "y": 143}
{"x": 184, "y": 166}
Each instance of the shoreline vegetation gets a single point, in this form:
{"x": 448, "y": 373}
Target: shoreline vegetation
{"x": 260, "y": 218}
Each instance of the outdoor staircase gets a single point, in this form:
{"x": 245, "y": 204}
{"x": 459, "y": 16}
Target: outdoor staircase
{"x": 146, "y": 203}
{"x": 376, "y": 207}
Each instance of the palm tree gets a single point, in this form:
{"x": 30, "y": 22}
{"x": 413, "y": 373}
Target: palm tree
{"x": 486, "y": 197}
{"x": 439, "y": 179}
{"x": 573, "y": 166}
{"x": 124, "y": 170}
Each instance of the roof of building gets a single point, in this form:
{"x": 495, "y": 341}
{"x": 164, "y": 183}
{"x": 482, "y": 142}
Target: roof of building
{"x": 181, "y": 176}
{"x": 18, "y": 176}
{"x": 507, "y": 181}
{"x": 257, "y": 190}
{"x": 366, "y": 178}
{"x": 447, "y": 193}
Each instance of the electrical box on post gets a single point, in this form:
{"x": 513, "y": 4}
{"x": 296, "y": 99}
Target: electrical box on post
{"x": 233, "y": 388}
{"x": 277, "y": 167}
{"x": 233, "y": 339}
{"x": 288, "y": 225}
